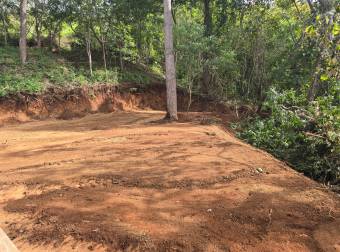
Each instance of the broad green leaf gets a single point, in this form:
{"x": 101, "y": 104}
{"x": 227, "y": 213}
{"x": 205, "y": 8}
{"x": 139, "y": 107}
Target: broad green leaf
{"x": 310, "y": 29}
{"x": 336, "y": 30}
{"x": 324, "y": 77}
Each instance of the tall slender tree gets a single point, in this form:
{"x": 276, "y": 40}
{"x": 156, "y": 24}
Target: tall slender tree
{"x": 4, "y": 20}
{"x": 170, "y": 69}
{"x": 207, "y": 33}
{"x": 327, "y": 15}
{"x": 39, "y": 12}
{"x": 23, "y": 31}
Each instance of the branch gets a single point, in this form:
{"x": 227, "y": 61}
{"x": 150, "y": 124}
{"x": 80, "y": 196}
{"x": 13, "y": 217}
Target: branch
{"x": 95, "y": 34}
{"x": 314, "y": 135}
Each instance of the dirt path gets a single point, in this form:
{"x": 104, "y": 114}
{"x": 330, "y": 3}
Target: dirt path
{"x": 125, "y": 182}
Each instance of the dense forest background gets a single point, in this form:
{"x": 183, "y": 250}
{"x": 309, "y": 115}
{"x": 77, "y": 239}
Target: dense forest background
{"x": 280, "y": 57}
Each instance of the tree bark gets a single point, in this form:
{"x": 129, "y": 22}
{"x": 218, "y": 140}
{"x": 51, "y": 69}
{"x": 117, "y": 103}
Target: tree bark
{"x": 88, "y": 51}
{"x": 296, "y": 7}
{"x": 38, "y": 32}
{"x": 23, "y": 31}
{"x": 38, "y": 39}
{"x": 222, "y": 15}
{"x": 50, "y": 40}
{"x": 104, "y": 56}
{"x": 206, "y": 78}
{"x": 312, "y": 92}
{"x": 5, "y": 31}
{"x": 59, "y": 41}
{"x": 101, "y": 40}
{"x": 207, "y": 18}
{"x": 121, "y": 59}
{"x": 170, "y": 71}
{"x": 4, "y": 26}
{"x": 326, "y": 6}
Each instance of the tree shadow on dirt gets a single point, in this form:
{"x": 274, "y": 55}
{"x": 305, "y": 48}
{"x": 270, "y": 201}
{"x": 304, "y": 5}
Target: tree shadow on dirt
{"x": 105, "y": 121}
{"x": 130, "y": 216}
{"x": 108, "y": 152}
{"x": 92, "y": 122}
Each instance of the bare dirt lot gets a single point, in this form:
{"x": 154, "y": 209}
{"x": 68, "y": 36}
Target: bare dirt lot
{"x": 126, "y": 181}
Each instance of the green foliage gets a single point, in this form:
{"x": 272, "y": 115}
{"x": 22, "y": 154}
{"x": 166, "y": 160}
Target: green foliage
{"x": 103, "y": 76}
{"x": 14, "y": 84}
{"x": 252, "y": 48}
{"x": 45, "y": 69}
{"x": 134, "y": 77}
{"x": 195, "y": 52}
{"x": 13, "y": 77}
{"x": 190, "y": 44}
{"x": 305, "y": 135}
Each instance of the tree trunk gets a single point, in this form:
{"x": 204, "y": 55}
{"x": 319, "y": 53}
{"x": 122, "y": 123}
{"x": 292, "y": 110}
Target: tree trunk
{"x": 88, "y": 51}
{"x": 104, "y": 56}
{"x": 5, "y": 31}
{"x": 313, "y": 90}
{"x": 38, "y": 32}
{"x": 223, "y": 15}
{"x": 5, "y": 38}
{"x": 59, "y": 41}
{"x": 121, "y": 59}
{"x": 326, "y": 6}
{"x": 207, "y": 18}
{"x": 207, "y": 33}
{"x": 170, "y": 71}
{"x": 140, "y": 42}
{"x": 297, "y": 7}
{"x": 50, "y": 39}
{"x": 23, "y": 31}
{"x": 38, "y": 39}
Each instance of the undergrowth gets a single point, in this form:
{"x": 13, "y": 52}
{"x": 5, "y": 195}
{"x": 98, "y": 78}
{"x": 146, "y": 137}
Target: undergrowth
{"x": 46, "y": 69}
{"x": 306, "y": 135}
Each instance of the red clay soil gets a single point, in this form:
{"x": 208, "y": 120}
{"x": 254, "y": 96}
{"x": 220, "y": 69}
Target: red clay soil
{"x": 127, "y": 181}
{"x": 78, "y": 102}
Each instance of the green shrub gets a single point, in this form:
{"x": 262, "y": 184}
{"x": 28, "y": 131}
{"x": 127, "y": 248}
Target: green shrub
{"x": 305, "y": 135}
{"x": 47, "y": 69}
{"x": 17, "y": 83}
{"x": 134, "y": 77}
{"x": 102, "y": 76}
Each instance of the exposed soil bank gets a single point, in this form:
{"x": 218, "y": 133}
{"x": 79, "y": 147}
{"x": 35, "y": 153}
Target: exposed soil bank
{"x": 67, "y": 104}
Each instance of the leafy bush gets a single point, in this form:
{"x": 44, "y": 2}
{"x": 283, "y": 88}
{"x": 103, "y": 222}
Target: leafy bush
{"x": 110, "y": 76}
{"x": 196, "y": 52}
{"x": 134, "y": 77}
{"x": 14, "y": 84}
{"x": 307, "y": 135}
